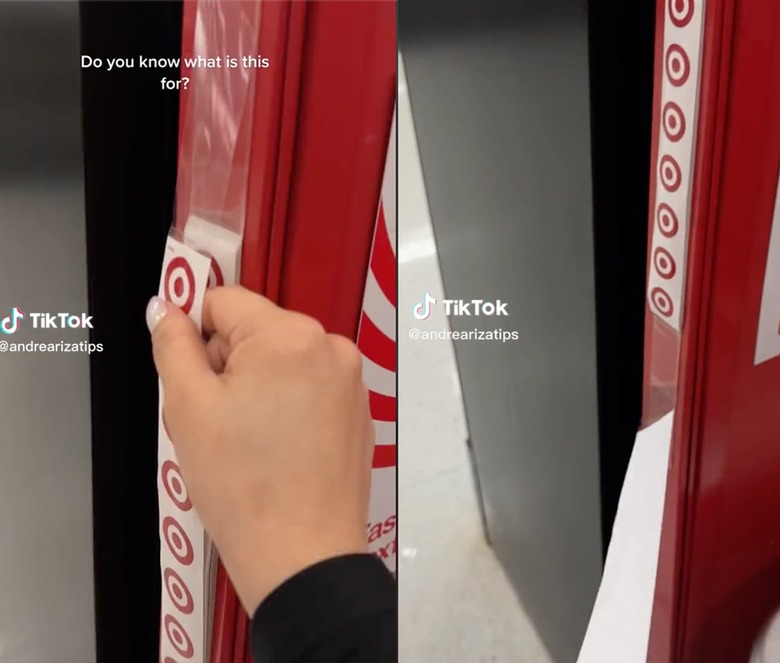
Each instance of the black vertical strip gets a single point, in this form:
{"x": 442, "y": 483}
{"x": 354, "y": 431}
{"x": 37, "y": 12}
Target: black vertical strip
{"x": 621, "y": 49}
{"x": 130, "y": 146}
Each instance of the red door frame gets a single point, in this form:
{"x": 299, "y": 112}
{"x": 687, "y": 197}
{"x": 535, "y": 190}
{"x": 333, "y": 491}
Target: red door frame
{"x": 719, "y": 567}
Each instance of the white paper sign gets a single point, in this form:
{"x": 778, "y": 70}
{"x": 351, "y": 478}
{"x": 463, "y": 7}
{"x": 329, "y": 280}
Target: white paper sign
{"x": 768, "y": 341}
{"x": 619, "y": 628}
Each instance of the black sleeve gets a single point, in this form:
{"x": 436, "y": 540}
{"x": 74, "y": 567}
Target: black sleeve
{"x": 340, "y": 610}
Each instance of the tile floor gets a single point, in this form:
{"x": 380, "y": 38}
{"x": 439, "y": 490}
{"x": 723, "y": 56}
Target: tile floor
{"x": 456, "y": 604}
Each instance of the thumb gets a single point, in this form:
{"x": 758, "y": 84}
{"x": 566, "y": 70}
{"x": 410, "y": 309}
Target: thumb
{"x": 179, "y": 352}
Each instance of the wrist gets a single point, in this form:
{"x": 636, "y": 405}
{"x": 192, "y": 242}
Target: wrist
{"x": 256, "y": 577}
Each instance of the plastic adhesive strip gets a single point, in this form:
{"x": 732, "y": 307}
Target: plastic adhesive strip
{"x": 679, "y": 46}
{"x": 184, "y": 548}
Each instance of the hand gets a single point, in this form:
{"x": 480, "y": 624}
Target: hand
{"x": 271, "y": 427}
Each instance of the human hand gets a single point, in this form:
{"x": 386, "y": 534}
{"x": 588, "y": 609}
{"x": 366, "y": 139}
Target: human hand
{"x": 271, "y": 427}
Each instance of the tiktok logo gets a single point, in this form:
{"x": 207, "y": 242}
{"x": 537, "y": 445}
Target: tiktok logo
{"x": 422, "y": 310}
{"x": 10, "y": 324}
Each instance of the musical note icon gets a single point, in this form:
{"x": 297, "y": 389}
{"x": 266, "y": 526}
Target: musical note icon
{"x": 11, "y": 323}
{"x": 422, "y": 310}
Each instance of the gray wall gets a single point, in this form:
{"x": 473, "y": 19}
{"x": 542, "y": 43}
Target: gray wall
{"x": 46, "y": 586}
{"x": 500, "y": 98}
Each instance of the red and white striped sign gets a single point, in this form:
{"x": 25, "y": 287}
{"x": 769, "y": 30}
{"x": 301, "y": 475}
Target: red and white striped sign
{"x": 377, "y": 342}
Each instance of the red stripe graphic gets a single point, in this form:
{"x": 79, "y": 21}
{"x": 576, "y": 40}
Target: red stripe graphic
{"x": 375, "y": 345}
{"x": 382, "y": 407}
{"x": 383, "y": 259}
{"x": 384, "y": 456}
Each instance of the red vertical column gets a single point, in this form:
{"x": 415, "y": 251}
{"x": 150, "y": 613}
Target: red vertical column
{"x": 719, "y": 570}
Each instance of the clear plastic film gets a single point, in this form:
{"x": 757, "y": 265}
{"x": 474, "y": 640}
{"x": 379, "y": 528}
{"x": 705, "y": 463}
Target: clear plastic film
{"x": 215, "y": 138}
{"x": 662, "y": 357}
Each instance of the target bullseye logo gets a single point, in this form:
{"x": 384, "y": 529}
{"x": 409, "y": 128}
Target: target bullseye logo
{"x": 673, "y": 121}
{"x": 664, "y": 263}
{"x": 662, "y": 301}
{"x": 177, "y": 541}
{"x": 678, "y": 67}
{"x": 178, "y": 637}
{"x": 180, "y": 283}
{"x": 668, "y": 224}
{"x": 177, "y": 591}
{"x": 216, "y": 279}
{"x": 174, "y": 485}
{"x": 680, "y": 12}
{"x": 671, "y": 175}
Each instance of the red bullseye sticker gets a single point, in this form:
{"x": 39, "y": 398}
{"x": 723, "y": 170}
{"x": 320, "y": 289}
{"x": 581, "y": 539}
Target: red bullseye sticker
{"x": 177, "y": 591}
{"x": 662, "y": 301}
{"x": 216, "y": 279}
{"x": 174, "y": 485}
{"x": 178, "y": 637}
{"x": 671, "y": 175}
{"x": 678, "y": 67}
{"x": 179, "y": 283}
{"x": 673, "y": 121}
{"x": 664, "y": 263}
{"x": 680, "y": 12}
{"x": 177, "y": 541}
{"x": 668, "y": 224}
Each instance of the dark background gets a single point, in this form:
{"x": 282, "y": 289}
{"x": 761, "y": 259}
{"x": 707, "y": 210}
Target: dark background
{"x": 130, "y": 144}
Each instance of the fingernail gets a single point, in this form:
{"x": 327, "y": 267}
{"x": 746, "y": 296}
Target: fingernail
{"x": 155, "y": 311}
